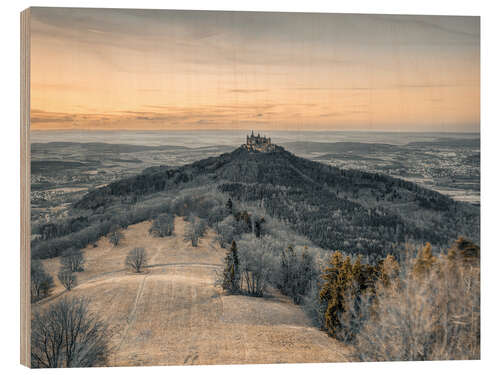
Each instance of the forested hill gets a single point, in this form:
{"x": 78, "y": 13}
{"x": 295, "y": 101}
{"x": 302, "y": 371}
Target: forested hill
{"x": 350, "y": 210}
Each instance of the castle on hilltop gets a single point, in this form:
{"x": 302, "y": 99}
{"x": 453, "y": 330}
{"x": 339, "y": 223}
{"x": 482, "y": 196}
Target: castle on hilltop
{"x": 259, "y": 144}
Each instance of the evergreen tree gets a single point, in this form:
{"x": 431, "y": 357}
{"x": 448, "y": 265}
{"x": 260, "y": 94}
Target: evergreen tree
{"x": 465, "y": 252}
{"x": 229, "y": 207}
{"x": 338, "y": 278}
{"x": 231, "y": 275}
{"x": 425, "y": 262}
{"x": 388, "y": 271}
{"x": 258, "y": 227}
{"x": 346, "y": 286}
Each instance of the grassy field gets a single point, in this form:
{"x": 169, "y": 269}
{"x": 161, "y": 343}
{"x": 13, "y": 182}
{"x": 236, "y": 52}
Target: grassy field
{"x": 172, "y": 314}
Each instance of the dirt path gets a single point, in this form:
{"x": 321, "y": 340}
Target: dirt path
{"x": 132, "y": 315}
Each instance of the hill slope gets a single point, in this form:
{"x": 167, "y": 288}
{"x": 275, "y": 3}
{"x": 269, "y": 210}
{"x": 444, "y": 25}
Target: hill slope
{"x": 172, "y": 314}
{"x": 350, "y": 210}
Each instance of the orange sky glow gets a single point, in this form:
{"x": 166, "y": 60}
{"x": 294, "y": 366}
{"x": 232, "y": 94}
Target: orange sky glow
{"x": 187, "y": 70}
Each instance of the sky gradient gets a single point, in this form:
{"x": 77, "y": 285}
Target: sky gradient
{"x": 105, "y": 69}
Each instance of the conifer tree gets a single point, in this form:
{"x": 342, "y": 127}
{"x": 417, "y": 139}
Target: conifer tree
{"x": 425, "y": 261}
{"x": 388, "y": 271}
{"x": 231, "y": 275}
{"x": 347, "y": 285}
{"x": 465, "y": 252}
{"x": 229, "y": 207}
{"x": 338, "y": 278}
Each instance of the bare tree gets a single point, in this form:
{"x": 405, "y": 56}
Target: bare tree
{"x": 67, "y": 334}
{"x": 190, "y": 234}
{"x": 195, "y": 229}
{"x": 163, "y": 225}
{"x": 115, "y": 236}
{"x": 41, "y": 281}
{"x": 73, "y": 260}
{"x": 431, "y": 316}
{"x": 67, "y": 278}
{"x": 136, "y": 259}
{"x": 256, "y": 264}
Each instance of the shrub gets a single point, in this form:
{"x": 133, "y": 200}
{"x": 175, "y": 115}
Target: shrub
{"x": 41, "y": 281}
{"x": 431, "y": 315}
{"x": 67, "y": 278}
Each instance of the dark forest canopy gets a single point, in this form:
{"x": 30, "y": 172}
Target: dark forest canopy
{"x": 349, "y": 210}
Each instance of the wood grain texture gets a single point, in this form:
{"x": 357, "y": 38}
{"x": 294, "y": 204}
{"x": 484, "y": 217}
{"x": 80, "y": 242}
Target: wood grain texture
{"x": 25, "y": 189}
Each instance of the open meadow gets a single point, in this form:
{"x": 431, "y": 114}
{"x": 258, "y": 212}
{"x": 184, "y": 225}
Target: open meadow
{"x": 173, "y": 314}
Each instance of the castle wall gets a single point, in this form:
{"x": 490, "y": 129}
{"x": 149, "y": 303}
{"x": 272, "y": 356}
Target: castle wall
{"x": 258, "y": 143}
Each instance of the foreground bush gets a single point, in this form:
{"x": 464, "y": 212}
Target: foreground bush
{"x": 431, "y": 312}
{"x": 67, "y": 334}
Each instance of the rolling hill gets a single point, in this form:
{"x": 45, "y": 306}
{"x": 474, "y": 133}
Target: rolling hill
{"x": 354, "y": 211}
{"x": 172, "y": 314}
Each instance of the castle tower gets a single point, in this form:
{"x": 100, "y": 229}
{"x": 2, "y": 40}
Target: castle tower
{"x": 258, "y": 143}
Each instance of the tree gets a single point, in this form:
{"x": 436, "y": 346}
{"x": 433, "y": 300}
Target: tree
{"x": 190, "y": 234}
{"x": 346, "y": 286}
{"x": 231, "y": 273}
{"x": 195, "y": 229}
{"x": 67, "y": 334}
{"x": 225, "y": 231}
{"x": 256, "y": 264}
{"x": 257, "y": 226}
{"x": 436, "y": 317}
{"x": 41, "y": 281}
{"x": 464, "y": 251}
{"x": 115, "y": 236}
{"x": 136, "y": 259}
{"x": 73, "y": 260}
{"x": 289, "y": 272}
{"x": 163, "y": 225}
{"x": 67, "y": 278}
{"x": 388, "y": 271}
{"x": 337, "y": 277}
{"x": 425, "y": 261}
{"x": 229, "y": 207}
{"x": 297, "y": 273}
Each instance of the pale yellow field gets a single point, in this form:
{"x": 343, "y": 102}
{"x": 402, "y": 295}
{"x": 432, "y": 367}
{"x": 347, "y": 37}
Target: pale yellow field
{"x": 172, "y": 314}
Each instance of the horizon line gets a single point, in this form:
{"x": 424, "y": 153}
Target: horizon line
{"x": 258, "y": 130}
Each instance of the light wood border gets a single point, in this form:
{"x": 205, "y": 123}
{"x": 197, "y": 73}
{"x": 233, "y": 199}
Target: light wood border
{"x": 25, "y": 352}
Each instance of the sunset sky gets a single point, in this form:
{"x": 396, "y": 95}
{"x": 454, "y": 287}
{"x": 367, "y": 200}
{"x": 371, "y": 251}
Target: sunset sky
{"x": 134, "y": 69}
